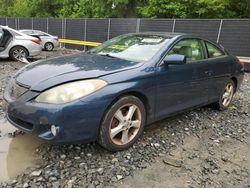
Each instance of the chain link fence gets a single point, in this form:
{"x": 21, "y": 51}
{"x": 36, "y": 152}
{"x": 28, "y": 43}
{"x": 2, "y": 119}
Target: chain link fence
{"x": 233, "y": 34}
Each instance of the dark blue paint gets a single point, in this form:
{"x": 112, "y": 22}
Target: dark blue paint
{"x": 47, "y": 73}
{"x": 168, "y": 89}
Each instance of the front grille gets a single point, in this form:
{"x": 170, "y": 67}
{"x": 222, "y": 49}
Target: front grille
{"x": 16, "y": 90}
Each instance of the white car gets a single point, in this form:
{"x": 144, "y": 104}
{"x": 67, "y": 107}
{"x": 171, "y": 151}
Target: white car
{"x": 48, "y": 42}
{"x": 17, "y": 45}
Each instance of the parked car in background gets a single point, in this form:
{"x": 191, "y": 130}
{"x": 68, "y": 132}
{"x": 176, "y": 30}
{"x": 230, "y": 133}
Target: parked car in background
{"x": 111, "y": 92}
{"x": 17, "y": 45}
{"x": 48, "y": 42}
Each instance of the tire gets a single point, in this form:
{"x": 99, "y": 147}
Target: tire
{"x": 48, "y": 46}
{"x": 126, "y": 119}
{"x": 18, "y": 52}
{"x": 226, "y": 96}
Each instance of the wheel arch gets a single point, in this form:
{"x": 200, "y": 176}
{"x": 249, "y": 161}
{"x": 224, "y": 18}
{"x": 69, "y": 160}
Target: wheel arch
{"x": 137, "y": 94}
{"x": 101, "y": 135}
{"x": 234, "y": 79}
{"x": 19, "y": 46}
{"x": 48, "y": 42}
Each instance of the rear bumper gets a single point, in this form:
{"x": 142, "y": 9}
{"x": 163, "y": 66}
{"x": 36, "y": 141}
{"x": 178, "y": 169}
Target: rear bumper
{"x": 34, "y": 53}
{"x": 56, "y": 43}
{"x": 35, "y": 50}
{"x": 247, "y": 67}
{"x": 239, "y": 80}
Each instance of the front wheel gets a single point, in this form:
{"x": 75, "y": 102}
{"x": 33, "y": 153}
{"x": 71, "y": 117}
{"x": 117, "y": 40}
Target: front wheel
{"x": 123, "y": 124}
{"x": 226, "y": 96}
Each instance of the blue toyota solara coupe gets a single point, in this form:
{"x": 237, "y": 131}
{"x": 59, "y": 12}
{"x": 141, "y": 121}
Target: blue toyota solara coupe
{"x": 111, "y": 92}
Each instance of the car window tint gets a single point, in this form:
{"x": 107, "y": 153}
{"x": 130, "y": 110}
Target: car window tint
{"x": 132, "y": 47}
{"x": 213, "y": 51}
{"x": 27, "y": 32}
{"x": 40, "y": 33}
{"x": 190, "y": 48}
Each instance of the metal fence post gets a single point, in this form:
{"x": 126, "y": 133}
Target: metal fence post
{"x": 173, "y": 29}
{"x": 65, "y": 29}
{"x": 219, "y": 32}
{"x": 138, "y": 22}
{"x": 32, "y": 23}
{"x": 62, "y": 29}
{"x": 85, "y": 32}
{"x": 17, "y": 23}
{"x": 108, "y": 28}
{"x": 62, "y": 34}
{"x": 6, "y": 21}
{"x": 47, "y": 25}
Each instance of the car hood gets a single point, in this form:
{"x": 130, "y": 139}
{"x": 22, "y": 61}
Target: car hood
{"x": 48, "y": 73}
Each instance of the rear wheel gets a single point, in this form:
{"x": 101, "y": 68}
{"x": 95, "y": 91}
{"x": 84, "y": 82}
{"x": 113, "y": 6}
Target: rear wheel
{"x": 123, "y": 124}
{"x": 226, "y": 96}
{"x": 48, "y": 46}
{"x": 18, "y": 53}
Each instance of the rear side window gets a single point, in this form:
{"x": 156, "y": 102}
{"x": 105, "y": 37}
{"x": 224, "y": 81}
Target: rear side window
{"x": 40, "y": 33}
{"x": 213, "y": 51}
{"x": 27, "y": 32}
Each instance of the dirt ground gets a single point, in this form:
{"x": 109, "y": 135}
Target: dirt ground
{"x": 197, "y": 160}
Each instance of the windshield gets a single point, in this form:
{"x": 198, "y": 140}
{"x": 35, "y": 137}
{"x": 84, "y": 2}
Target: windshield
{"x": 132, "y": 47}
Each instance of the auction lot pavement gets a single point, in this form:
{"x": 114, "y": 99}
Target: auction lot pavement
{"x": 199, "y": 148}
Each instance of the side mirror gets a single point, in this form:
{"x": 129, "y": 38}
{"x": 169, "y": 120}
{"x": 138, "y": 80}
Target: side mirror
{"x": 175, "y": 59}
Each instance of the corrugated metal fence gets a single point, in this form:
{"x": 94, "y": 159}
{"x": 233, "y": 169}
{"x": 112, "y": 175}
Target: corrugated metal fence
{"x": 233, "y": 34}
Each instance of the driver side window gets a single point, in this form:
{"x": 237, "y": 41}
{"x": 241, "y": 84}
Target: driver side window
{"x": 190, "y": 48}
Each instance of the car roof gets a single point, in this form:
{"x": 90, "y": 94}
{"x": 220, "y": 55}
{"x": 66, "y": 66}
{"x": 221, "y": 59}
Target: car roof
{"x": 14, "y": 31}
{"x": 31, "y": 30}
{"x": 167, "y": 34}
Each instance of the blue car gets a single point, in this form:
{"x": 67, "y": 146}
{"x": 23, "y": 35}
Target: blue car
{"x": 111, "y": 92}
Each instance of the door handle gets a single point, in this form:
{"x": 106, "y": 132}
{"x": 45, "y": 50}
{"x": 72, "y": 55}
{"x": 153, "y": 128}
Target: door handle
{"x": 209, "y": 73}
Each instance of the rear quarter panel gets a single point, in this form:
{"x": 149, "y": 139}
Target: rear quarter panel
{"x": 33, "y": 48}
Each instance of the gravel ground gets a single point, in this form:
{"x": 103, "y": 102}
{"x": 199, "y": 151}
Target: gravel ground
{"x": 196, "y": 144}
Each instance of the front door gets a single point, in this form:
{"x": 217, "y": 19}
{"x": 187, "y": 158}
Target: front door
{"x": 177, "y": 85}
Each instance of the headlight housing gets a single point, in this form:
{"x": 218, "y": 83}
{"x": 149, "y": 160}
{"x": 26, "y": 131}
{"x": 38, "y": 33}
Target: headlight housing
{"x": 70, "y": 91}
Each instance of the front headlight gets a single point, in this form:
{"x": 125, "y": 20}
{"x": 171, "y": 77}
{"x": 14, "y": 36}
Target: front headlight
{"x": 70, "y": 91}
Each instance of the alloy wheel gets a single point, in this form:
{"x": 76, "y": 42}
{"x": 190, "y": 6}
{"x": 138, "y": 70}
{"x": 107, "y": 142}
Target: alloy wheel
{"x": 125, "y": 124}
{"x": 19, "y": 53}
{"x": 228, "y": 94}
{"x": 49, "y": 46}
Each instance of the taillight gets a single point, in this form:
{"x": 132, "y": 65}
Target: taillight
{"x": 242, "y": 63}
{"x": 36, "y": 41}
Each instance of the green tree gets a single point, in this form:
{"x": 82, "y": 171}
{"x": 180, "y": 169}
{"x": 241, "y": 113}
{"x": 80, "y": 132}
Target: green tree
{"x": 100, "y": 8}
{"x": 36, "y": 8}
{"x": 186, "y": 9}
{"x": 240, "y": 8}
{"x": 5, "y": 7}
{"x": 126, "y": 8}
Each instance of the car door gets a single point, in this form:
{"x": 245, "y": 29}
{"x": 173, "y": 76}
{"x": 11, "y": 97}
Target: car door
{"x": 177, "y": 86}
{"x": 217, "y": 69}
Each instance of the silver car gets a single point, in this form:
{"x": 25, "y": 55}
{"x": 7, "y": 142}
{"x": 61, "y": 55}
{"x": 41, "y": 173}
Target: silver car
{"x": 48, "y": 42}
{"x": 17, "y": 45}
